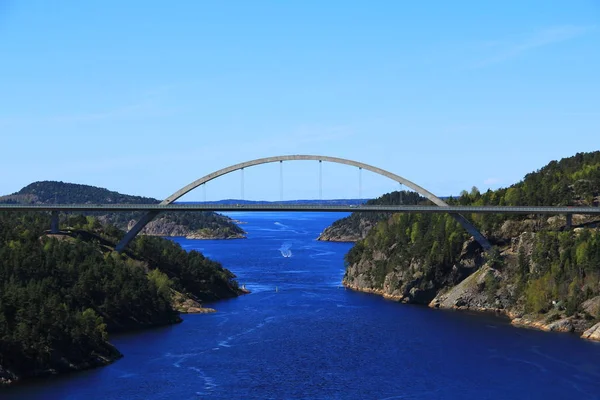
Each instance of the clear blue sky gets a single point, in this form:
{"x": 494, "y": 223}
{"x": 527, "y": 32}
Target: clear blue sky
{"x": 145, "y": 96}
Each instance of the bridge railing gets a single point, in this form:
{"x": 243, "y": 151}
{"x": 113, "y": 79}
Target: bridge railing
{"x": 219, "y": 207}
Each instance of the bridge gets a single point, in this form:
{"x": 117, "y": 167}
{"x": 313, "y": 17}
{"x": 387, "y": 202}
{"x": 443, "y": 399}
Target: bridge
{"x": 218, "y": 207}
{"x": 152, "y": 210}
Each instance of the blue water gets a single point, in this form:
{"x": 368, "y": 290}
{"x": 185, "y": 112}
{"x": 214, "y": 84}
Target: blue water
{"x": 312, "y": 339}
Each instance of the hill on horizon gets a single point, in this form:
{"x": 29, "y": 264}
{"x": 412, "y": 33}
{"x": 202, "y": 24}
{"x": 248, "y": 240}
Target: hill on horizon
{"x": 203, "y": 225}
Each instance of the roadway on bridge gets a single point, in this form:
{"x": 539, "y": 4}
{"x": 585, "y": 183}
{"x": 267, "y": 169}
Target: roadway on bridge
{"x": 176, "y": 207}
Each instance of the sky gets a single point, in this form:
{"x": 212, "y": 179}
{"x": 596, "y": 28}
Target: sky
{"x": 144, "y": 97}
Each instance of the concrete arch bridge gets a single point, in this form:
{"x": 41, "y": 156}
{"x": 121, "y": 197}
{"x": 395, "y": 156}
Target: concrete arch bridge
{"x": 150, "y": 215}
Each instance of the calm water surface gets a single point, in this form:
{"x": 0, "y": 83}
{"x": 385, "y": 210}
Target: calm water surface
{"x": 299, "y": 335}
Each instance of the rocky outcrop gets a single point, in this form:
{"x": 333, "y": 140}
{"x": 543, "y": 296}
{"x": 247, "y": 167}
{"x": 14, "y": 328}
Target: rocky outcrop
{"x": 207, "y": 234}
{"x": 472, "y": 293}
{"x": 561, "y": 325}
{"x": 394, "y": 296}
{"x": 396, "y": 285}
{"x": 514, "y": 228}
{"x": 166, "y": 227}
{"x": 511, "y": 228}
{"x": 592, "y": 307}
{"x": 187, "y": 305}
{"x": 162, "y": 227}
{"x": 411, "y": 282}
{"x": 471, "y": 285}
{"x": 329, "y": 236}
{"x": 347, "y": 232}
{"x": 537, "y": 264}
{"x": 593, "y": 333}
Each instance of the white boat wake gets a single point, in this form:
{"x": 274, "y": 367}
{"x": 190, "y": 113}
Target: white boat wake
{"x": 285, "y": 250}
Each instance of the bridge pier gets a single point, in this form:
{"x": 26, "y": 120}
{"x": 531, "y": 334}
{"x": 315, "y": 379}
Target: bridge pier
{"x": 149, "y": 216}
{"x": 482, "y": 240}
{"x": 54, "y": 227}
{"x": 359, "y": 183}
{"x": 569, "y": 223}
{"x": 320, "y": 179}
{"x": 281, "y": 181}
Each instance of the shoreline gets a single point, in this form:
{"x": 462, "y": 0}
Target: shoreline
{"x": 9, "y": 380}
{"x": 193, "y": 237}
{"x": 564, "y": 325}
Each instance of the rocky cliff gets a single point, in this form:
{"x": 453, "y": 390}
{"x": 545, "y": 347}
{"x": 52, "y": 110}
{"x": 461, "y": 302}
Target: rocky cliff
{"x": 540, "y": 273}
{"x": 479, "y": 282}
{"x": 342, "y": 232}
{"x": 165, "y": 226}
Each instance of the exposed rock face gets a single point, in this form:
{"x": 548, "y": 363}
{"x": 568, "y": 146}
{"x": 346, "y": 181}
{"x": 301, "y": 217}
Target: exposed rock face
{"x": 187, "y": 305}
{"x": 471, "y": 293}
{"x": 593, "y": 333}
{"x": 394, "y": 296}
{"x": 592, "y": 307}
{"x": 207, "y": 234}
{"x": 561, "y": 325}
{"x": 165, "y": 227}
{"x": 412, "y": 284}
{"x": 347, "y": 233}
{"x": 162, "y": 227}
{"x": 512, "y": 228}
{"x": 537, "y": 265}
{"x": 328, "y": 236}
{"x": 470, "y": 284}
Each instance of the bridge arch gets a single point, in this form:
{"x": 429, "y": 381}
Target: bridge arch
{"x": 149, "y": 216}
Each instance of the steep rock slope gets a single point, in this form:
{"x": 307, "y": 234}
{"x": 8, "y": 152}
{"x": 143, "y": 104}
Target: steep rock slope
{"x": 539, "y": 274}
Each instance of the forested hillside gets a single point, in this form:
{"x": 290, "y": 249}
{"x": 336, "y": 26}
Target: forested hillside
{"x": 60, "y": 295}
{"x": 201, "y": 225}
{"x": 539, "y": 273}
{"x": 356, "y": 226}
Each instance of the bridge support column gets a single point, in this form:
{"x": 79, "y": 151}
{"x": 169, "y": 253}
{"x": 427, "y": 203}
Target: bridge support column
{"x": 281, "y": 181}
{"x": 569, "y": 223}
{"x": 359, "y": 183}
{"x": 470, "y": 228}
{"x": 242, "y": 188}
{"x": 149, "y": 216}
{"x": 54, "y": 227}
{"x": 320, "y": 179}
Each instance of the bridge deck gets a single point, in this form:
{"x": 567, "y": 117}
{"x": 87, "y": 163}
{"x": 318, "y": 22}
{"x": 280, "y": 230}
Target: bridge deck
{"x": 300, "y": 207}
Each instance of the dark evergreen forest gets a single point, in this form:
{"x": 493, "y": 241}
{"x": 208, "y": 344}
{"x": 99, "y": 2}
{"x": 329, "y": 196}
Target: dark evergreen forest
{"x": 60, "y": 295}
